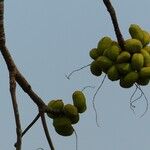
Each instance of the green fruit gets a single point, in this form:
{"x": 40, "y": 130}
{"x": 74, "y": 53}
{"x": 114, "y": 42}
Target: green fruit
{"x": 137, "y": 61}
{"x": 123, "y": 57}
{"x": 63, "y": 126}
{"x": 55, "y": 107}
{"x": 143, "y": 81}
{"x": 128, "y": 80}
{"x": 71, "y": 112}
{"x": 146, "y": 38}
{"x": 79, "y": 101}
{"x": 146, "y": 58}
{"x": 112, "y": 53}
{"x": 112, "y": 73}
{"x": 124, "y": 68}
{"x": 104, "y": 62}
{"x": 145, "y": 72}
{"x": 95, "y": 68}
{"x": 147, "y": 48}
{"x": 136, "y": 32}
{"x": 103, "y": 44}
{"x": 93, "y": 53}
{"x": 133, "y": 46}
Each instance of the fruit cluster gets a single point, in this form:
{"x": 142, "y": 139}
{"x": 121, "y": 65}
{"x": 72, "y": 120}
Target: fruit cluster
{"x": 65, "y": 115}
{"x": 129, "y": 66}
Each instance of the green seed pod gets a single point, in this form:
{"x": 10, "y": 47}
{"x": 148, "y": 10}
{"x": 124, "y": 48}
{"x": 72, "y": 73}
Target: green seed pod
{"x": 146, "y": 58}
{"x": 145, "y": 72}
{"x": 124, "y": 68}
{"x": 63, "y": 126}
{"x": 79, "y": 101}
{"x": 103, "y": 44}
{"x": 133, "y": 46}
{"x": 71, "y": 112}
{"x": 136, "y": 32}
{"x": 93, "y": 53}
{"x": 147, "y": 48}
{"x": 129, "y": 79}
{"x": 143, "y": 81}
{"x": 137, "y": 61}
{"x": 56, "y": 108}
{"x": 104, "y": 62}
{"x": 123, "y": 57}
{"x": 95, "y": 68}
{"x": 112, "y": 53}
{"x": 146, "y": 38}
{"x": 113, "y": 74}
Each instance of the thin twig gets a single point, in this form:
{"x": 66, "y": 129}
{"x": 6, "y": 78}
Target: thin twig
{"x": 16, "y": 111}
{"x": 46, "y": 131}
{"x": 112, "y": 13}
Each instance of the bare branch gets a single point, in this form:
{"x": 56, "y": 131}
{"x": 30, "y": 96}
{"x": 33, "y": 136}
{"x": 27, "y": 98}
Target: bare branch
{"x": 112, "y": 13}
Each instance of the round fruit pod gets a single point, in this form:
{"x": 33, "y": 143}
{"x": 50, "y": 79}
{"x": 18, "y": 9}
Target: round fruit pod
{"x": 146, "y": 38}
{"x": 136, "y": 32}
{"x": 143, "y": 81}
{"x": 103, "y": 44}
{"x": 55, "y": 107}
{"x": 124, "y": 68}
{"x": 93, "y": 53}
{"x": 147, "y": 48}
{"x": 137, "y": 61}
{"x": 144, "y": 72}
{"x": 75, "y": 119}
{"x": 146, "y": 58}
{"x": 123, "y": 57}
{"x": 95, "y": 68}
{"x": 133, "y": 46}
{"x": 63, "y": 126}
{"x": 79, "y": 101}
{"x": 104, "y": 63}
{"x": 129, "y": 80}
{"x": 112, "y": 53}
{"x": 113, "y": 73}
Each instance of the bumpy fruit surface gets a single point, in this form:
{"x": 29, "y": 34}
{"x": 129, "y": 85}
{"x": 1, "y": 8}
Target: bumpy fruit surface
{"x": 146, "y": 38}
{"x": 133, "y": 46}
{"x": 95, "y": 68}
{"x": 93, "y": 53}
{"x": 143, "y": 81}
{"x": 103, "y": 44}
{"x": 123, "y": 57}
{"x": 145, "y": 72}
{"x": 79, "y": 101}
{"x": 124, "y": 68}
{"x": 146, "y": 58}
{"x": 137, "y": 61}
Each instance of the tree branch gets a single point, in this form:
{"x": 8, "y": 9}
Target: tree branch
{"x": 112, "y": 13}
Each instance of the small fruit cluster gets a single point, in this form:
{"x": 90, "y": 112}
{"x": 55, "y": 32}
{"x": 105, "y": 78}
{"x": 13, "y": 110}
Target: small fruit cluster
{"x": 129, "y": 66}
{"x": 65, "y": 115}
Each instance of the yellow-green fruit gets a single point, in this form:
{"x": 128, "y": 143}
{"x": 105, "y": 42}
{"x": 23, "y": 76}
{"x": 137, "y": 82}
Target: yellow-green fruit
{"x": 146, "y": 58}
{"x": 145, "y": 72}
{"x": 133, "y": 46}
{"x": 123, "y": 57}
{"x": 146, "y": 38}
{"x": 63, "y": 126}
{"x": 79, "y": 101}
{"x": 112, "y": 53}
{"x": 104, "y": 62}
{"x": 71, "y": 112}
{"x": 129, "y": 79}
{"x": 137, "y": 61}
{"x": 95, "y": 68}
{"x": 103, "y": 44}
{"x": 136, "y": 32}
{"x": 143, "y": 81}
{"x": 55, "y": 107}
{"x": 112, "y": 73}
{"x": 147, "y": 48}
{"x": 93, "y": 53}
{"x": 124, "y": 68}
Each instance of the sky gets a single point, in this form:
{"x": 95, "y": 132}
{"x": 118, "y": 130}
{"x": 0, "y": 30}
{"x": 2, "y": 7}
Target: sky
{"x": 48, "y": 39}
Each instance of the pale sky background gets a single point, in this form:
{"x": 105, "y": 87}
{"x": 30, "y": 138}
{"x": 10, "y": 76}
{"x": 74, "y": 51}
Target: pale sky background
{"x": 49, "y": 39}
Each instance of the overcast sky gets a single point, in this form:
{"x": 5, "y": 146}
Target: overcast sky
{"x": 49, "y": 39}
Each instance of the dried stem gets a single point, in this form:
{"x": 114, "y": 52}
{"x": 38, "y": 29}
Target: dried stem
{"x": 112, "y": 13}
